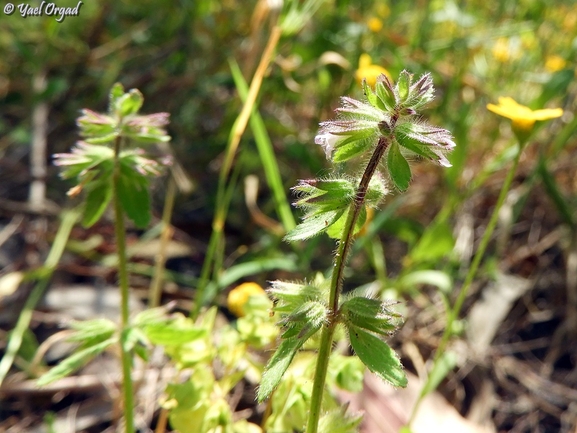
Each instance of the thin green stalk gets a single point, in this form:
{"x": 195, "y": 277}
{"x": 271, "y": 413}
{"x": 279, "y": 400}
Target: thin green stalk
{"x": 68, "y": 220}
{"x": 156, "y": 284}
{"x": 126, "y": 355}
{"x": 472, "y": 272}
{"x": 266, "y": 152}
{"x": 337, "y": 285}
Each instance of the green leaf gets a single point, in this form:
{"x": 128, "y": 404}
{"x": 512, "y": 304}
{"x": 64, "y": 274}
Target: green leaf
{"x": 74, "y": 362}
{"x": 173, "y": 332}
{"x": 369, "y": 314}
{"x": 133, "y": 194}
{"x": 386, "y": 96}
{"x": 97, "y": 199}
{"x": 439, "y": 279}
{"x": 116, "y": 92}
{"x": 129, "y": 103}
{"x": 416, "y": 146}
{"x": 398, "y": 166}
{"x": 289, "y": 296}
{"x": 103, "y": 139}
{"x": 335, "y": 231}
{"x": 305, "y": 320}
{"x": 403, "y": 85}
{"x": 437, "y": 242}
{"x": 372, "y": 96}
{"x": 313, "y": 226}
{"x": 377, "y": 356}
{"x": 348, "y": 149}
{"x": 350, "y": 372}
{"x": 91, "y": 332}
{"x": 338, "y": 421}
{"x": 277, "y": 366}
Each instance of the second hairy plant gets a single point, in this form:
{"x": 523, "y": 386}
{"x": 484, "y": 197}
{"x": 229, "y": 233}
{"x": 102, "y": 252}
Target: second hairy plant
{"x": 384, "y": 130}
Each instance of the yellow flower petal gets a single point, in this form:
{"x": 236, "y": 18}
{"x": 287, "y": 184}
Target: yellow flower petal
{"x": 374, "y": 24}
{"x": 369, "y": 71}
{"x": 522, "y": 117}
{"x": 548, "y": 113}
{"x": 510, "y": 109}
{"x": 238, "y": 297}
{"x": 365, "y": 61}
{"x": 555, "y": 63}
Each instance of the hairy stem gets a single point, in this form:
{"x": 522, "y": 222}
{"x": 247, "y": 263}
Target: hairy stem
{"x": 126, "y": 355}
{"x": 472, "y": 272}
{"x": 337, "y": 285}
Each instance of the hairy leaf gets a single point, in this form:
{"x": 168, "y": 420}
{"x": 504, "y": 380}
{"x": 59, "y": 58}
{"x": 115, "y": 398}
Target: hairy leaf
{"x": 134, "y": 195}
{"x": 277, "y": 366}
{"x": 313, "y": 225}
{"x": 97, "y": 199}
{"x": 398, "y": 167}
{"x": 74, "y": 362}
{"x": 377, "y": 356}
{"x": 369, "y": 314}
{"x": 336, "y": 230}
{"x": 338, "y": 421}
{"x": 91, "y": 332}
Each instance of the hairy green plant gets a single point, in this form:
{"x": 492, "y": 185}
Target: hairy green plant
{"x": 384, "y": 130}
{"x": 110, "y": 168}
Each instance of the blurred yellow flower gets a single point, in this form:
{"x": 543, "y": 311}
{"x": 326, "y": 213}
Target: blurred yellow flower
{"x": 501, "y": 51}
{"x": 369, "y": 71}
{"x": 523, "y": 118}
{"x": 555, "y": 63}
{"x": 238, "y": 297}
{"x": 374, "y": 24}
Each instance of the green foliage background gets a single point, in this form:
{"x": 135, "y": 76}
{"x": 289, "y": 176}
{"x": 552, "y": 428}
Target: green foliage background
{"x": 178, "y": 54}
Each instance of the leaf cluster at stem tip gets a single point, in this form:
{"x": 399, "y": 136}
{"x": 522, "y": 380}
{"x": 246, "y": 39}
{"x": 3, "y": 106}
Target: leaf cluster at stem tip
{"x": 106, "y": 148}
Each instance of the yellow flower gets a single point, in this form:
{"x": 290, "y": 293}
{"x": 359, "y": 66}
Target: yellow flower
{"x": 523, "y": 118}
{"x": 374, "y": 24}
{"x": 238, "y": 297}
{"x": 555, "y": 63}
{"x": 369, "y": 71}
{"x": 501, "y": 50}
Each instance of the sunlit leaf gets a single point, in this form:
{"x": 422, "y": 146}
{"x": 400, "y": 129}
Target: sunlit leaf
{"x": 437, "y": 242}
{"x": 277, "y": 366}
{"x": 74, "y": 362}
{"x": 377, "y": 356}
{"x": 398, "y": 166}
{"x": 313, "y": 226}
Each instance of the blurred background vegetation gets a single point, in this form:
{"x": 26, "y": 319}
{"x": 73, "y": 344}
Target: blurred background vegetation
{"x": 179, "y": 54}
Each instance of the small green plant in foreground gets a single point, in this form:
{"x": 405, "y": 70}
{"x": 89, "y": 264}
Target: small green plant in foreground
{"x": 385, "y": 130}
{"x": 109, "y": 167}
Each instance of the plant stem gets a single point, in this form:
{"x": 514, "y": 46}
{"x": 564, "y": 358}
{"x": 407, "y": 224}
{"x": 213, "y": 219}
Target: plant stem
{"x": 337, "y": 285}
{"x": 472, "y": 272}
{"x": 126, "y": 355}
